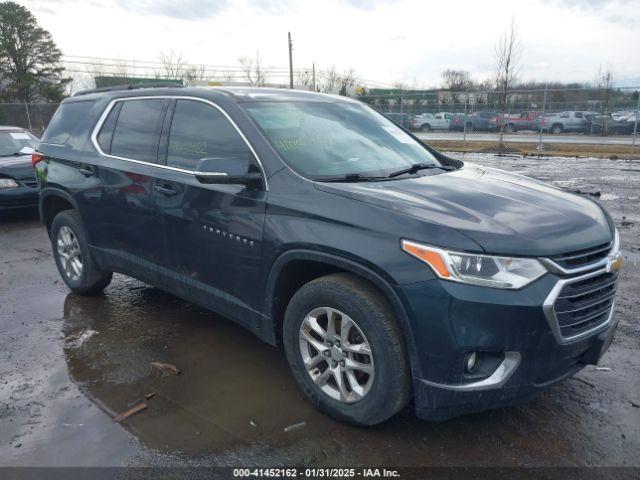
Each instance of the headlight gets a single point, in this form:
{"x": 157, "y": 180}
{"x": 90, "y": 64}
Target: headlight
{"x": 7, "y": 183}
{"x": 484, "y": 270}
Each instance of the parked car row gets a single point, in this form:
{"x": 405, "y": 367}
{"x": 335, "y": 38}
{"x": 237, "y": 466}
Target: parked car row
{"x": 571, "y": 121}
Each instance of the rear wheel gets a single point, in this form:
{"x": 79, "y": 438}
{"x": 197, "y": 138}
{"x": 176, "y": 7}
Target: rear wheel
{"x": 346, "y": 351}
{"x": 425, "y": 127}
{"x": 469, "y": 127}
{"x": 556, "y": 128}
{"x": 73, "y": 258}
{"x": 510, "y": 128}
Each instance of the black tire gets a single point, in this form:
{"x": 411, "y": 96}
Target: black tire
{"x": 390, "y": 390}
{"x": 556, "y": 129}
{"x": 469, "y": 127}
{"x": 425, "y": 127}
{"x": 91, "y": 280}
{"x": 511, "y": 128}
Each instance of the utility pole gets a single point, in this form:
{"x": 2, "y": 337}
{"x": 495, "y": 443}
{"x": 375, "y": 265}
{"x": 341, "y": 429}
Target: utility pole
{"x": 290, "y": 61}
{"x": 313, "y": 75}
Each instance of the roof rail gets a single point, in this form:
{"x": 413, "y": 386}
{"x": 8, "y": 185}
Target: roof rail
{"x": 129, "y": 86}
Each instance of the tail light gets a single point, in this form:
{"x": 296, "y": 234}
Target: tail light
{"x": 36, "y": 157}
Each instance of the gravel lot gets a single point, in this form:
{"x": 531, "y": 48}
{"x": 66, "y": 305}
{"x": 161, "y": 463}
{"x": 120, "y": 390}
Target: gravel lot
{"x": 68, "y": 364}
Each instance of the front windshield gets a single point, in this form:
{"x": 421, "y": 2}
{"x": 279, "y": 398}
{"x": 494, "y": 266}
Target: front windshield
{"x": 335, "y": 139}
{"x": 12, "y": 142}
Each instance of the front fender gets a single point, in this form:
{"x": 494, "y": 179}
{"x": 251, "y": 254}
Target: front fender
{"x": 379, "y": 279}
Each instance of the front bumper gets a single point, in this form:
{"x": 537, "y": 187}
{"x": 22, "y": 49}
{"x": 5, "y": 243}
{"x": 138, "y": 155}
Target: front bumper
{"x": 19, "y": 197}
{"x": 449, "y": 320}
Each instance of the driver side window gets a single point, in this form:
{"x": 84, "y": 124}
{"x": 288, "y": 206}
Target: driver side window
{"x": 198, "y": 131}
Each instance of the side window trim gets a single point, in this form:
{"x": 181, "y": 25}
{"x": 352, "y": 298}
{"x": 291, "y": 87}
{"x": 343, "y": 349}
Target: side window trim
{"x": 105, "y": 114}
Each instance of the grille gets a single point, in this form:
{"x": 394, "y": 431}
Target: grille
{"x": 581, "y": 258}
{"x": 585, "y": 304}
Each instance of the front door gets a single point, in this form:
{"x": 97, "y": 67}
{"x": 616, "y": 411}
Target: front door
{"x": 212, "y": 233}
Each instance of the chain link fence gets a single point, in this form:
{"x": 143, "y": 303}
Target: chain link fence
{"x": 600, "y": 112}
{"x": 31, "y": 116}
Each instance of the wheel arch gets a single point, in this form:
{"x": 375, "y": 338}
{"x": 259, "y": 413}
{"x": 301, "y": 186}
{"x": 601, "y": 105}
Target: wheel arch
{"x": 52, "y": 202}
{"x": 278, "y": 292}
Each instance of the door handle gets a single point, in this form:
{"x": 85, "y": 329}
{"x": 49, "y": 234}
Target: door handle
{"x": 167, "y": 192}
{"x": 87, "y": 172}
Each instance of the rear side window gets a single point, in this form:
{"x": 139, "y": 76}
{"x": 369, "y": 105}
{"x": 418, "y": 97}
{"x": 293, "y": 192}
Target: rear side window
{"x": 198, "y": 131}
{"x": 106, "y": 131}
{"x": 67, "y": 121}
{"x": 137, "y": 129}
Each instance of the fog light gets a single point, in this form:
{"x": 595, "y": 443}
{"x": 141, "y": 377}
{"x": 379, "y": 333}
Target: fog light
{"x": 471, "y": 362}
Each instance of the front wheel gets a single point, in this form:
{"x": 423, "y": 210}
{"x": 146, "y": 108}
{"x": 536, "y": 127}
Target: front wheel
{"x": 426, "y": 127}
{"x": 346, "y": 351}
{"x": 73, "y": 258}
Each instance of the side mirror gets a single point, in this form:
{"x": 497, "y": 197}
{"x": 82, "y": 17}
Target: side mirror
{"x": 231, "y": 170}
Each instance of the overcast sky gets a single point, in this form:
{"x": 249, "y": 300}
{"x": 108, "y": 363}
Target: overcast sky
{"x": 383, "y": 40}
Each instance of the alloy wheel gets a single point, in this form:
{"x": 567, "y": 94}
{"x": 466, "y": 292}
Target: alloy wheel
{"x": 69, "y": 253}
{"x": 336, "y": 354}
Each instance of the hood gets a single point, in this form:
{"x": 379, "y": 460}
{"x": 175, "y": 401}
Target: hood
{"x": 19, "y": 168}
{"x": 503, "y": 212}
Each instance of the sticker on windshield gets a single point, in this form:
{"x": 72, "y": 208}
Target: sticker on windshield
{"x": 398, "y": 134}
{"x": 19, "y": 136}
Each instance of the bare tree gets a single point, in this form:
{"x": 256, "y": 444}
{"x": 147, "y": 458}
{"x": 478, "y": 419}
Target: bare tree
{"x": 305, "y": 78}
{"x": 122, "y": 68}
{"x": 329, "y": 80}
{"x": 345, "y": 81}
{"x": 332, "y": 81}
{"x": 173, "y": 65}
{"x": 508, "y": 53}
{"x": 194, "y": 74}
{"x": 604, "y": 82}
{"x": 252, "y": 70}
{"x": 456, "y": 80}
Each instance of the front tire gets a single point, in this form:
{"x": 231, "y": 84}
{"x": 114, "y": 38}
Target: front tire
{"x": 73, "y": 258}
{"x": 426, "y": 127}
{"x": 346, "y": 351}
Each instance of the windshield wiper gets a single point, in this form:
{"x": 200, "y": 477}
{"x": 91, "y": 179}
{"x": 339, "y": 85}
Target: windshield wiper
{"x": 419, "y": 166}
{"x": 349, "y": 177}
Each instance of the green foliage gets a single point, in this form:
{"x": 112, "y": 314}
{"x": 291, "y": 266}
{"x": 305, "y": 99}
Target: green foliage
{"x": 30, "y": 68}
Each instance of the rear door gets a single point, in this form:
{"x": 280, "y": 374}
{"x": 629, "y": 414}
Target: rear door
{"x": 212, "y": 233}
{"x": 121, "y": 217}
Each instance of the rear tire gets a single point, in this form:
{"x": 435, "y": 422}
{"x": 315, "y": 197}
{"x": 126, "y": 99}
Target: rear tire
{"x": 356, "y": 307}
{"x": 556, "y": 129}
{"x": 469, "y": 127}
{"x": 425, "y": 128}
{"x": 73, "y": 258}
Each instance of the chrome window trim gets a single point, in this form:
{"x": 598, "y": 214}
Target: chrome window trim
{"x": 550, "y": 314}
{"x": 107, "y": 110}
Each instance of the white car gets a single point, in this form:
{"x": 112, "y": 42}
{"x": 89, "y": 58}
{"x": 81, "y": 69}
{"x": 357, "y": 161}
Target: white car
{"x": 431, "y": 121}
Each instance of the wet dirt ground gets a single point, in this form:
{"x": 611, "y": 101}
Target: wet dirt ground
{"x": 68, "y": 364}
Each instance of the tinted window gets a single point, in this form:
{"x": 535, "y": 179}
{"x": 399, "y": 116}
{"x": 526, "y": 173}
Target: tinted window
{"x": 201, "y": 131}
{"x": 137, "y": 131}
{"x": 106, "y": 131}
{"x": 579, "y": 115}
{"x": 68, "y": 120}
